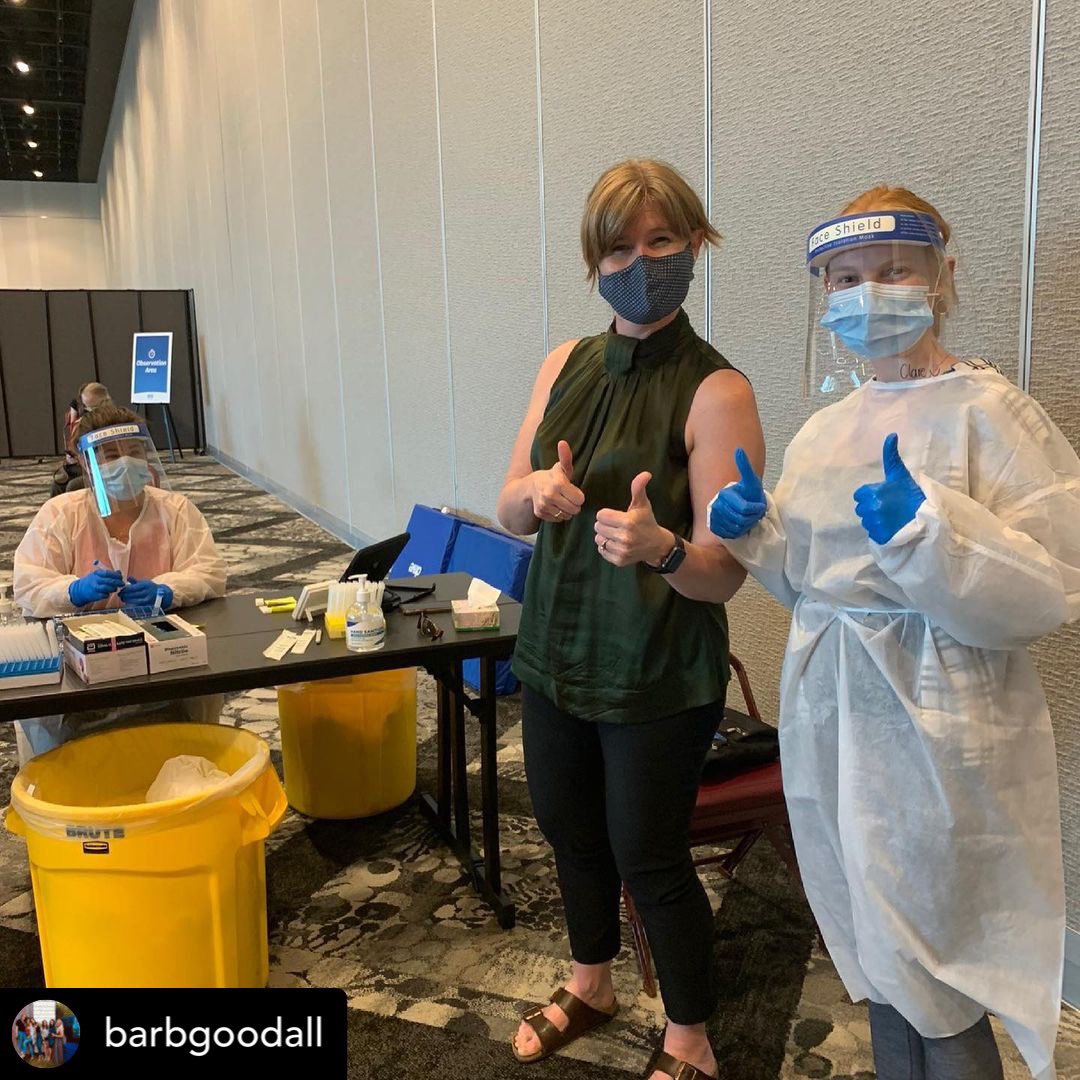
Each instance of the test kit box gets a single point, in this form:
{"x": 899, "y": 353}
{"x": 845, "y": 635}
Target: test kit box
{"x": 105, "y": 647}
{"x": 172, "y": 643}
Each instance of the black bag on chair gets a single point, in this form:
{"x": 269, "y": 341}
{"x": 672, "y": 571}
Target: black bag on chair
{"x": 740, "y": 743}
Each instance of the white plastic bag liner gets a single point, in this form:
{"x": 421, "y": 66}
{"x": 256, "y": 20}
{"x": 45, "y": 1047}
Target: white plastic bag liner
{"x": 100, "y": 782}
{"x": 186, "y": 774}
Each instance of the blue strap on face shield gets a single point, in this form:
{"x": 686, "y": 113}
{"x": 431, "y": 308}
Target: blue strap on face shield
{"x": 879, "y": 227}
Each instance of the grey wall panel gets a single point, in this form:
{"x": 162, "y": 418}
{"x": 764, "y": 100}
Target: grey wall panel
{"x": 326, "y": 463}
{"x": 116, "y": 319}
{"x": 407, "y": 175}
{"x": 167, "y": 310}
{"x": 293, "y": 468}
{"x": 235, "y": 61}
{"x": 24, "y": 353}
{"x": 935, "y": 101}
{"x": 487, "y": 93}
{"x": 355, "y": 250}
{"x": 72, "y": 344}
{"x": 618, "y": 81}
{"x": 272, "y": 430}
{"x": 1055, "y": 376}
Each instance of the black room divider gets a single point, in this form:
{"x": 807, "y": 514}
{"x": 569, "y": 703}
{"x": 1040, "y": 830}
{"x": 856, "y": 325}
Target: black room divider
{"x": 51, "y": 341}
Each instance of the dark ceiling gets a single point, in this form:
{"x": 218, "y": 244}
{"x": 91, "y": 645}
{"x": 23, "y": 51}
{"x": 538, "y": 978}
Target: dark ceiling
{"x": 74, "y": 49}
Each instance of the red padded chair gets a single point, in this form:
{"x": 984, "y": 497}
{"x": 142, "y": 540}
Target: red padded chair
{"x": 736, "y": 810}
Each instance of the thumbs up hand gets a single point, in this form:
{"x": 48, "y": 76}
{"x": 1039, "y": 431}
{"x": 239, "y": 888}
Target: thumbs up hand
{"x": 735, "y": 510}
{"x": 885, "y": 508}
{"x": 555, "y": 498}
{"x": 626, "y": 537}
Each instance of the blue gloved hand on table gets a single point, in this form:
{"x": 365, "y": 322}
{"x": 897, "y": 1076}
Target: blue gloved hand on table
{"x": 99, "y": 584}
{"x": 142, "y": 592}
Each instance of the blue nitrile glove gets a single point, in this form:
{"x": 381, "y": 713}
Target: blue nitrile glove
{"x": 97, "y": 585}
{"x": 142, "y": 592}
{"x": 735, "y": 510}
{"x": 885, "y": 508}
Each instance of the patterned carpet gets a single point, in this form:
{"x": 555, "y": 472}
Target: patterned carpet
{"x": 380, "y": 908}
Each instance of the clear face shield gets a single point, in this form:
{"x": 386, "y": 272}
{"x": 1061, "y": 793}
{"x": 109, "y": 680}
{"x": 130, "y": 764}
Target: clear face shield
{"x": 880, "y": 282}
{"x": 119, "y": 461}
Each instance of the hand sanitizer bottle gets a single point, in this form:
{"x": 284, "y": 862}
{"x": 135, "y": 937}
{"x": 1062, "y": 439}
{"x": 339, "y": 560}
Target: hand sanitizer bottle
{"x": 365, "y": 624}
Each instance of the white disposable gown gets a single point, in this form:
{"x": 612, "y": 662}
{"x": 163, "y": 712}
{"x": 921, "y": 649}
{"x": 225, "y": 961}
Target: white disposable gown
{"x": 170, "y": 542}
{"x": 918, "y": 757}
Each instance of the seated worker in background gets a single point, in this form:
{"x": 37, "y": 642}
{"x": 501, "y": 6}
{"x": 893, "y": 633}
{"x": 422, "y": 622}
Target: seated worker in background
{"x": 68, "y": 475}
{"x": 122, "y": 540}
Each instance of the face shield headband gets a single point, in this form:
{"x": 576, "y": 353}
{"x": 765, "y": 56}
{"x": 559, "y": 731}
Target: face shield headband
{"x": 859, "y": 230}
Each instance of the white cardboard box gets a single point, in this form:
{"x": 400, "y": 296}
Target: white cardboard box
{"x": 105, "y": 660}
{"x": 179, "y": 652}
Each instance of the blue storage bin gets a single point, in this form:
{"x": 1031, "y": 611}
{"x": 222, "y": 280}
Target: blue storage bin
{"x": 431, "y": 538}
{"x": 502, "y": 561}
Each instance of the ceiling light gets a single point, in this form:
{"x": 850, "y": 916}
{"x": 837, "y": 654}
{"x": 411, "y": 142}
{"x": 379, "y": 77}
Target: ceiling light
{"x": 22, "y": 66}
{"x": 28, "y": 108}
{"x": 31, "y": 144}
{"x": 38, "y": 173}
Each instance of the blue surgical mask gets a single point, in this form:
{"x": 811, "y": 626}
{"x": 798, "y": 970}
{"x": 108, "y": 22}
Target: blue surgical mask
{"x": 125, "y": 477}
{"x": 650, "y": 288}
{"x": 876, "y": 321}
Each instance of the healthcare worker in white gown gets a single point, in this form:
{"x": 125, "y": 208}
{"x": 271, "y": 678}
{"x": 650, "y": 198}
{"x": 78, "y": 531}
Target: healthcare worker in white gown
{"x": 121, "y": 540}
{"x": 925, "y": 530}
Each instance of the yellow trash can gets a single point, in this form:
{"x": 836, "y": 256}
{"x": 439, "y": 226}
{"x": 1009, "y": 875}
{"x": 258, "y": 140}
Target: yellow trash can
{"x": 348, "y": 746}
{"x": 130, "y": 893}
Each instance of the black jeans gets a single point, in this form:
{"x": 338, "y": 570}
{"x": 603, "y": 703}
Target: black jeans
{"x": 614, "y": 801}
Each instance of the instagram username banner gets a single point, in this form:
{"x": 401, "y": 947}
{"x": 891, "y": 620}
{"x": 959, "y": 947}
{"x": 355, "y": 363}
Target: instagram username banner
{"x": 201, "y": 1033}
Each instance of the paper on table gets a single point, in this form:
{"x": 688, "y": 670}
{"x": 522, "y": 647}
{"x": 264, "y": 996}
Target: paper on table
{"x": 281, "y": 645}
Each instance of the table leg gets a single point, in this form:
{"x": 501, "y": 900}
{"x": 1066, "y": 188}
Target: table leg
{"x": 485, "y": 872}
{"x": 443, "y": 787}
{"x": 489, "y": 776}
{"x": 462, "y": 829}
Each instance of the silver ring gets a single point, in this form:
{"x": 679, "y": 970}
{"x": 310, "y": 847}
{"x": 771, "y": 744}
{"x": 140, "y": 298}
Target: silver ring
{"x": 558, "y": 514}
{"x": 603, "y": 546}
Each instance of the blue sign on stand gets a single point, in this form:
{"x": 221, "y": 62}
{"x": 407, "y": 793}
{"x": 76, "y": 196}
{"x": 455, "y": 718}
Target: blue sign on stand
{"x": 151, "y": 369}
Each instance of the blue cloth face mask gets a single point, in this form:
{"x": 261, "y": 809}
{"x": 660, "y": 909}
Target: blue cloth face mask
{"x": 876, "y": 321}
{"x": 649, "y": 288}
{"x": 125, "y": 477}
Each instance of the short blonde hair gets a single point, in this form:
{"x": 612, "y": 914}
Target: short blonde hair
{"x": 884, "y": 197}
{"x": 623, "y": 191}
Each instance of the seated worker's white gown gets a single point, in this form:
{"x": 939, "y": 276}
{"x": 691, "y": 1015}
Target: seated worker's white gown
{"x": 918, "y": 757}
{"x": 169, "y": 542}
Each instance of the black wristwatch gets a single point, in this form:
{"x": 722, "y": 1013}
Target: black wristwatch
{"x": 672, "y": 560}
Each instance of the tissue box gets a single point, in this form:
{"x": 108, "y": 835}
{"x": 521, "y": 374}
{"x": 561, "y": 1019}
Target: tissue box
{"x": 471, "y": 616}
{"x": 105, "y": 659}
{"x": 172, "y": 643}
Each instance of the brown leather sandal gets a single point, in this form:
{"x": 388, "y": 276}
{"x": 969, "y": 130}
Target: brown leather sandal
{"x": 672, "y": 1066}
{"x": 583, "y": 1018}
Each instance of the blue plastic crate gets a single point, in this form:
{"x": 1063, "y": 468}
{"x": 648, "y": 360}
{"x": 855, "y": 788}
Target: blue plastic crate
{"x": 431, "y": 538}
{"x": 502, "y": 561}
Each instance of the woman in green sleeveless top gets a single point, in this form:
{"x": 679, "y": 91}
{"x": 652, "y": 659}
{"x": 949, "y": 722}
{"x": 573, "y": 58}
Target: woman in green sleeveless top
{"x": 622, "y": 648}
